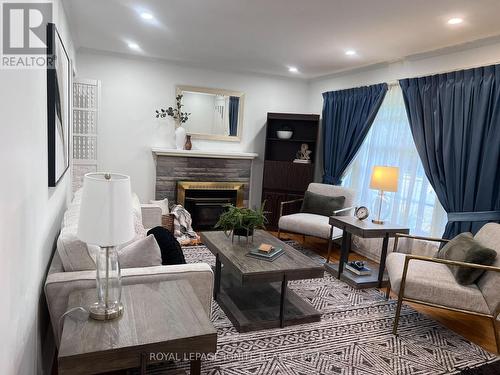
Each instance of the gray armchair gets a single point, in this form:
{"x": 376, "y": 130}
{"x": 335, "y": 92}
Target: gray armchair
{"x": 293, "y": 221}
{"x": 429, "y": 281}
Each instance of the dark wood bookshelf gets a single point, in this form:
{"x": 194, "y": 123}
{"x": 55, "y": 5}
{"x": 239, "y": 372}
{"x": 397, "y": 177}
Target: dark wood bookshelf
{"x": 283, "y": 179}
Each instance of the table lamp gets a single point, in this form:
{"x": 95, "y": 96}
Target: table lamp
{"x": 383, "y": 179}
{"x": 106, "y": 220}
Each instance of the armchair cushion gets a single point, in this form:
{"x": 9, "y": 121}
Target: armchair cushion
{"x": 489, "y": 283}
{"x": 434, "y": 283}
{"x": 321, "y": 204}
{"x": 334, "y": 191}
{"x": 308, "y": 224}
{"x": 463, "y": 248}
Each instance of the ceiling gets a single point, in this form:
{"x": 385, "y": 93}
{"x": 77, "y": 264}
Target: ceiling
{"x": 269, "y": 36}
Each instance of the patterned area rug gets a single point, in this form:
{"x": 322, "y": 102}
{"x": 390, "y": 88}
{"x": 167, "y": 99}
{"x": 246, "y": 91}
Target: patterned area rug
{"x": 353, "y": 337}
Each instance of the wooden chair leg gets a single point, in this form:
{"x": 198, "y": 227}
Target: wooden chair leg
{"x": 495, "y": 330}
{"x": 396, "y": 317}
{"x": 388, "y": 290}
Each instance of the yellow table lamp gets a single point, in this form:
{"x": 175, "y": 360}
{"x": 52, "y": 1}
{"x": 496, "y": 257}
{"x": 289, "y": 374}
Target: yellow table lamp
{"x": 383, "y": 179}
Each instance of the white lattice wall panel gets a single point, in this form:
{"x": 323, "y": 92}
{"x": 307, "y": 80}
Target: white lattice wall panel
{"x": 85, "y": 124}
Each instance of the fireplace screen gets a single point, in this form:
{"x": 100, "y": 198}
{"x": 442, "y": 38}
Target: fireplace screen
{"x": 205, "y": 201}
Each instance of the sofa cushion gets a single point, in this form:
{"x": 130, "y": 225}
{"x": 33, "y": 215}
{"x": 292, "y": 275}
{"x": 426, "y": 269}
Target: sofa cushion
{"x": 489, "y": 283}
{"x": 434, "y": 283}
{"x": 308, "y": 224}
{"x": 144, "y": 252}
{"x": 463, "y": 248}
{"x": 321, "y": 204}
{"x": 74, "y": 254}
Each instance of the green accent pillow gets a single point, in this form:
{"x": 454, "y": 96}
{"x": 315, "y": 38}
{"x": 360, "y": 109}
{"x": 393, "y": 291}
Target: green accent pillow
{"x": 321, "y": 204}
{"x": 464, "y": 248}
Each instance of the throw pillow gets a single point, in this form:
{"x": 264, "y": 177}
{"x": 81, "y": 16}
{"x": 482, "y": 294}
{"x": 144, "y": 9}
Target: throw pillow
{"x": 163, "y": 204}
{"x": 142, "y": 253}
{"x": 74, "y": 254}
{"x": 463, "y": 248}
{"x": 321, "y": 204}
{"x": 171, "y": 251}
{"x": 140, "y": 231}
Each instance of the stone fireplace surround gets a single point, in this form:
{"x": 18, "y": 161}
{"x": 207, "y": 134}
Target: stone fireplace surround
{"x": 173, "y": 166}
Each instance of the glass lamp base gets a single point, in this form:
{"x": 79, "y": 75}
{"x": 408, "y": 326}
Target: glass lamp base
{"x": 99, "y": 312}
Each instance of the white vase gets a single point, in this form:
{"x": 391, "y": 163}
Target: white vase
{"x": 180, "y": 138}
{"x": 165, "y": 133}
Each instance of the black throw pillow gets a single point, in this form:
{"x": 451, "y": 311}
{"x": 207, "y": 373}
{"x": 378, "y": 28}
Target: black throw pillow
{"x": 171, "y": 251}
{"x": 321, "y": 204}
{"x": 464, "y": 248}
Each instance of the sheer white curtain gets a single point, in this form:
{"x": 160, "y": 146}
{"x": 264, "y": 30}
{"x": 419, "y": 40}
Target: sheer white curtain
{"x": 389, "y": 142}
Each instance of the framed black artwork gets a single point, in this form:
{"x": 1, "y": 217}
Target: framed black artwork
{"x": 58, "y": 105}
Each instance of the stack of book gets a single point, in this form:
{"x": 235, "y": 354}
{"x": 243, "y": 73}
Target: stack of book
{"x": 266, "y": 252}
{"x": 360, "y": 271}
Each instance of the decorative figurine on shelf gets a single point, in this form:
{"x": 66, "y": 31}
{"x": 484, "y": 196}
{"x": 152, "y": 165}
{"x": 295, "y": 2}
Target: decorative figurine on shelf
{"x": 303, "y": 155}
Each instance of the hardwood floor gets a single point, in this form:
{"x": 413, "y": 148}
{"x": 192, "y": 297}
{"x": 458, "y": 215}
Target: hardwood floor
{"x": 476, "y": 329}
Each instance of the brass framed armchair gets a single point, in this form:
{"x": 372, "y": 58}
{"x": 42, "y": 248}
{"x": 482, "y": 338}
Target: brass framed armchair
{"x": 428, "y": 281}
{"x": 291, "y": 220}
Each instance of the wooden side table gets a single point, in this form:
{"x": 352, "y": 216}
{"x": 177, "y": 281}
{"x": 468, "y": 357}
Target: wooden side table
{"x": 161, "y": 321}
{"x": 366, "y": 229}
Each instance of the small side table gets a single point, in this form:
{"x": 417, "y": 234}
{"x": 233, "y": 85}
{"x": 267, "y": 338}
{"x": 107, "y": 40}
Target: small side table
{"x": 366, "y": 229}
{"x": 161, "y": 321}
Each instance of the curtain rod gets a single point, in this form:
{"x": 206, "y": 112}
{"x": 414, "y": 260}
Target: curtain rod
{"x": 396, "y": 82}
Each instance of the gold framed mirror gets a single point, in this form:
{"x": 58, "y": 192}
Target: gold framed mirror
{"x": 216, "y": 114}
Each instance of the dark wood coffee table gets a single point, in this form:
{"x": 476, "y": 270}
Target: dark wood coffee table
{"x": 254, "y": 293}
{"x": 161, "y": 321}
{"x": 366, "y": 229}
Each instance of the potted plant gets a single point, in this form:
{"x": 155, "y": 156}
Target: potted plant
{"x": 241, "y": 221}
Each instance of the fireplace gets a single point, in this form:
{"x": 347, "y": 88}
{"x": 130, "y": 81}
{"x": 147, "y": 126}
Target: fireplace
{"x": 205, "y": 201}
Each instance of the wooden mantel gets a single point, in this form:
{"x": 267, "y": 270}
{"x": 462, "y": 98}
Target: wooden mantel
{"x": 160, "y": 151}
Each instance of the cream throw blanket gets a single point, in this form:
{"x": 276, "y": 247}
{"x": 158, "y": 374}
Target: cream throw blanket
{"x": 183, "y": 230}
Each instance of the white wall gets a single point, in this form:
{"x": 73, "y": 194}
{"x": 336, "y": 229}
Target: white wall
{"x": 30, "y": 214}
{"x": 463, "y": 58}
{"x": 132, "y": 88}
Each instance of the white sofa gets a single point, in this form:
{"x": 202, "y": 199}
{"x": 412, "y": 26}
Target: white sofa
{"x": 59, "y": 284}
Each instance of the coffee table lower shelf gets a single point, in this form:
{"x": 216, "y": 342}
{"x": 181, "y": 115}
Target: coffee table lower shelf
{"x": 356, "y": 281}
{"x": 252, "y": 308}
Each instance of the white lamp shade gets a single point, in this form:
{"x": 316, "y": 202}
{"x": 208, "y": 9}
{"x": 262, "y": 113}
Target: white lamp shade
{"x": 106, "y": 216}
{"x": 385, "y": 178}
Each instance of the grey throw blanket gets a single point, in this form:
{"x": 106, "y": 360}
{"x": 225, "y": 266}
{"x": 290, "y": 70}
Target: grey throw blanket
{"x": 182, "y": 225}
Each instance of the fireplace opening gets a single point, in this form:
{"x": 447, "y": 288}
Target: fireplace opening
{"x": 206, "y": 201}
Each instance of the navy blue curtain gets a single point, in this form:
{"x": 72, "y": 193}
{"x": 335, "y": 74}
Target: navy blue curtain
{"x": 455, "y": 122}
{"x": 347, "y": 117}
{"x": 234, "y": 104}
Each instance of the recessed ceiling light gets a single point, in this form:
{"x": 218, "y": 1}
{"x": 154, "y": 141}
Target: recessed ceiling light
{"x": 293, "y": 69}
{"x": 146, "y": 16}
{"x": 455, "y": 21}
{"x": 133, "y": 46}
{"x": 350, "y": 52}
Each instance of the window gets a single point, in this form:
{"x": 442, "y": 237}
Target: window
{"x": 389, "y": 142}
